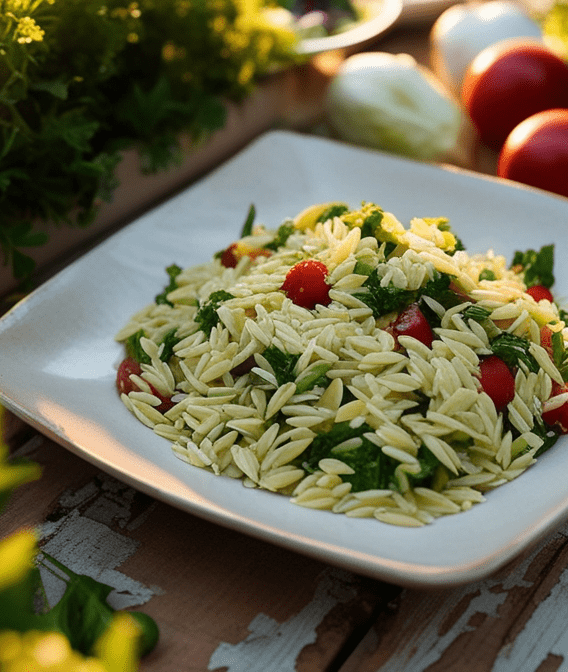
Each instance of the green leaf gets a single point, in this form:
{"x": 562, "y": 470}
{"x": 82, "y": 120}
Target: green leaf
{"x": 135, "y": 350}
{"x": 249, "y": 221}
{"x": 173, "y": 271}
{"x": 73, "y": 128}
{"x": 514, "y": 349}
{"x": 537, "y": 266}
{"x": 477, "y": 313}
{"x": 56, "y": 87}
{"x": 559, "y": 354}
{"x": 487, "y": 274}
{"x": 282, "y": 364}
{"x": 283, "y": 232}
{"x": 207, "y": 316}
{"x": 371, "y": 224}
{"x": 315, "y": 376}
{"x": 22, "y": 264}
{"x": 373, "y": 469}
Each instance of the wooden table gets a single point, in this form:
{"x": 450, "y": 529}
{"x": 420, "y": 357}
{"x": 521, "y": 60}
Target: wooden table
{"x": 224, "y": 601}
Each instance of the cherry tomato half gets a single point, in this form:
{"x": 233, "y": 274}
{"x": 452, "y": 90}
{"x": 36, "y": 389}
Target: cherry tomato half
{"x": 536, "y": 152}
{"x": 510, "y": 81}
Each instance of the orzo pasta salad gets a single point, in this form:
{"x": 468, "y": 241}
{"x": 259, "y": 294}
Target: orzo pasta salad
{"x": 354, "y": 364}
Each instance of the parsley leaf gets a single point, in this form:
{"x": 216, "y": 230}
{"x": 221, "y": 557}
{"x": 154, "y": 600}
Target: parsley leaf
{"x": 371, "y": 224}
{"x": 512, "y": 350}
{"x": 383, "y": 300}
{"x": 373, "y": 469}
{"x": 559, "y": 354}
{"x": 477, "y": 313}
{"x": 249, "y": 221}
{"x": 282, "y": 234}
{"x": 173, "y": 271}
{"x": 207, "y": 316}
{"x": 537, "y": 267}
{"x": 282, "y": 364}
{"x": 137, "y": 352}
{"x": 335, "y": 210}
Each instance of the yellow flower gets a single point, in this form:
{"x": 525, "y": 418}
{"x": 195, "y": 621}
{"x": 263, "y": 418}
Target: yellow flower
{"x": 17, "y": 554}
{"x": 28, "y": 31}
{"x": 117, "y": 648}
{"x": 35, "y": 651}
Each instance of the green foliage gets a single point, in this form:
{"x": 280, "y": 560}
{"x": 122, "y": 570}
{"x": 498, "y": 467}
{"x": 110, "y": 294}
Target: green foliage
{"x": 173, "y": 271}
{"x": 536, "y": 266}
{"x": 513, "y": 350}
{"x": 373, "y": 469}
{"x": 207, "y": 316}
{"x": 282, "y": 364}
{"x": 82, "y": 614}
{"x": 81, "y": 80}
{"x": 283, "y": 232}
{"x": 388, "y": 299}
{"x": 135, "y": 350}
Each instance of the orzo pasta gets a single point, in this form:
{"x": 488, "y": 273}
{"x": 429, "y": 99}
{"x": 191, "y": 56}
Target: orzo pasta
{"x": 354, "y": 364}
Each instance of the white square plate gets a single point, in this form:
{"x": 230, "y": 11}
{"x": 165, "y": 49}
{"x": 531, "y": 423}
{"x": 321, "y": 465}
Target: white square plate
{"x": 58, "y": 356}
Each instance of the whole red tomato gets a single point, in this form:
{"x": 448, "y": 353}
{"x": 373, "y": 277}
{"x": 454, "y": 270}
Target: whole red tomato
{"x": 536, "y": 152}
{"x": 510, "y": 81}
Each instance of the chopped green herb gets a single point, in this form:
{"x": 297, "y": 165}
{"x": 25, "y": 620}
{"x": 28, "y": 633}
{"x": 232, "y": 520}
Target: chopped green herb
{"x": 282, "y": 234}
{"x": 315, "y": 376}
{"x": 173, "y": 271}
{"x": 477, "y": 313}
{"x": 207, "y": 316}
{"x": 487, "y": 274}
{"x": 371, "y": 224}
{"x": 135, "y": 350}
{"x": 514, "y": 349}
{"x": 282, "y": 364}
{"x": 373, "y": 469}
{"x": 335, "y": 210}
{"x": 363, "y": 269}
{"x": 249, "y": 221}
{"x": 537, "y": 267}
{"x": 383, "y": 300}
{"x": 559, "y": 354}
{"x": 388, "y": 299}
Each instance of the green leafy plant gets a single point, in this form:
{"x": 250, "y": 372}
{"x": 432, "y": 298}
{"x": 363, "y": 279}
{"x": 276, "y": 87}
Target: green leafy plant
{"x": 81, "y": 626}
{"x": 81, "y": 80}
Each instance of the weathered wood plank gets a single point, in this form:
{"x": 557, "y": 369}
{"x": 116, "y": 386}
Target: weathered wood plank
{"x": 514, "y": 621}
{"x": 223, "y": 600}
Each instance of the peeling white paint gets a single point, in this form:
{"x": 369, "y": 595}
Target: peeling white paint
{"x": 545, "y": 632}
{"x": 426, "y": 646}
{"x": 84, "y": 542}
{"x": 276, "y": 646}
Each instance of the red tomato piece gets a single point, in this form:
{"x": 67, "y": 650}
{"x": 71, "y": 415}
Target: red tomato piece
{"x": 546, "y": 338}
{"x": 536, "y": 152}
{"x": 557, "y": 417}
{"x": 510, "y": 81}
{"x": 306, "y": 285}
{"x": 411, "y": 322}
{"x": 125, "y": 385}
{"x": 127, "y": 367}
{"x": 540, "y": 292}
{"x": 228, "y": 258}
{"x": 236, "y": 251}
{"x": 497, "y": 381}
